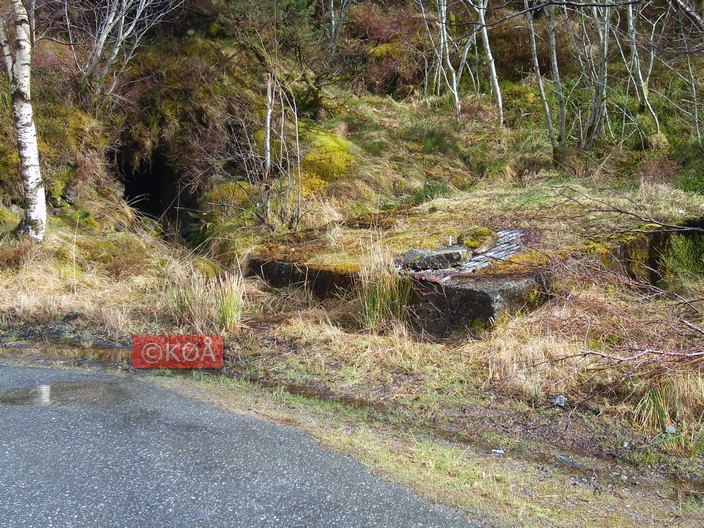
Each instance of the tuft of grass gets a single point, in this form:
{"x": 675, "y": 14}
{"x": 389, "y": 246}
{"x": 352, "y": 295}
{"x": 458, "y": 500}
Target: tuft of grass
{"x": 229, "y": 301}
{"x": 431, "y": 137}
{"x": 652, "y": 411}
{"x": 209, "y": 304}
{"x": 15, "y": 253}
{"x": 382, "y": 293}
{"x": 430, "y": 190}
{"x": 675, "y": 401}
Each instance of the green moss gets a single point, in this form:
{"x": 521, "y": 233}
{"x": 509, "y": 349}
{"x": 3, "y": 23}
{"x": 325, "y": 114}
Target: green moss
{"x": 10, "y": 183}
{"x": 206, "y": 267}
{"x": 475, "y": 237}
{"x": 65, "y": 132}
{"x": 8, "y": 219}
{"x": 81, "y": 219}
{"x": 119, "y": 253}
{"x": 56, "y": 183}
{"x": 330, "y": 156}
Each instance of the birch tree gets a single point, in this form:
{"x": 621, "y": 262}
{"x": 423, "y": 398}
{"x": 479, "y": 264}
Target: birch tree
{"x": 635, "y": 68}
{"x": 555, "y": 139}
{"x": 16, "y": 41}
{"x": 111, "y": 31}
{"x": 481, "y": 7}
{"x": 443, "y": 67}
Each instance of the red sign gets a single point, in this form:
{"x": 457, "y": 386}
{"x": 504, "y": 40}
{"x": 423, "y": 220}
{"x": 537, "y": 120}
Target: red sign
{"x": 177, "y": 351}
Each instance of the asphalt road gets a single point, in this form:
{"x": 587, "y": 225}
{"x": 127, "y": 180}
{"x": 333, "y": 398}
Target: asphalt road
{"x": 87, "y": 450}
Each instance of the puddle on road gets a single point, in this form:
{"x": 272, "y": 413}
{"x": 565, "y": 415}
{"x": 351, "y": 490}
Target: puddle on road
{"x": 66, "y": 393}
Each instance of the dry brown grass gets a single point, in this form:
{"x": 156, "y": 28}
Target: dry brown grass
{"x": 61, "y": 278}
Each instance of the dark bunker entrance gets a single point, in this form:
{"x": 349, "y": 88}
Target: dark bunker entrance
{"x": 155, "y": 189}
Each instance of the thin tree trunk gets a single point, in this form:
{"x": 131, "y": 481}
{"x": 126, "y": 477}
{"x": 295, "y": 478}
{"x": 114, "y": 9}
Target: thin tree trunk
{"x": 641, "y": 85}
{"x": 597, "y": 110}
{"x": 539, "y": 77}
{"x": 445, "y": 50}
{"x": 494, "y": 78}
{"x": 695, "y": 100}
{"x": 19, "y": 63}
{"x": 266, "y": 184}
{"x": 559, "y": 155}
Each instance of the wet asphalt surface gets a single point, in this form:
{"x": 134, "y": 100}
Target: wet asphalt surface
{"x": 90, "y": 450}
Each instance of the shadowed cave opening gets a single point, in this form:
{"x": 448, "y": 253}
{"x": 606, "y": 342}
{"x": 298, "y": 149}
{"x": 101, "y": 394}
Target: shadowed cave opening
{"x": 154, "y": 188}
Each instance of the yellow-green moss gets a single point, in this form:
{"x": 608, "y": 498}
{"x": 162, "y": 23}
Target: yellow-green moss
{"x": 475, "y": 237}
{"x": 83, "y": 220}
{"x": 387, "y": 50}
{"x": 337, "y": 262}
{"x": 228, "y": 202}
{"x": 311, "y": 183}
{"x": 8, "y": 220}
{"x": 404, "y": 242}
{"x": 206, "y": 267}
{"x": 521, "y": 263}
{"x": 330, "y": 156}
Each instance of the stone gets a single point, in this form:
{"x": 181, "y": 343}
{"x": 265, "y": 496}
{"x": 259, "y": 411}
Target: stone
{"x": 559, "y": 401}
{"x": 19, "y": 211}
{"x": 119, "y": 189}
{"x": 671, "y": 429}
{"x": 70, "y": 194}
{"x": 448, "y": 257}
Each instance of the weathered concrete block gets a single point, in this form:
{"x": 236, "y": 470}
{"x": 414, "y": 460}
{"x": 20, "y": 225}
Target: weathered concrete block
{"x": 443, "y": 308}
{"x": 448, "y": 257}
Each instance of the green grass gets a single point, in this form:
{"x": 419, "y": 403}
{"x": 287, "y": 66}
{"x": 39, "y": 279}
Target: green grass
{"x": 207, "y": 304}
{"x": 685, "y": 256}
{"x": 692, "y": 160}
{"x": 382, "y": 294}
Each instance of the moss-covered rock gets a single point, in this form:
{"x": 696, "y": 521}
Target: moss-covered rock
{"x": 206, "y": 267}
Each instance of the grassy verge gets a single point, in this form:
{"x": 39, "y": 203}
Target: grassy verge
{"x": 498, "y": 490}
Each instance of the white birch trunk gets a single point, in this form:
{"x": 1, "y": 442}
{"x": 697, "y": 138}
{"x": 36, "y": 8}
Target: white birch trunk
{"x": 482, "y": 7}
{"x": 445, "y": 50}
{"x": 539, "y": 77}
{"x": 560, "y": 153}
{"x": 19, "y": 63}
{"x": 640, "y": 82}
